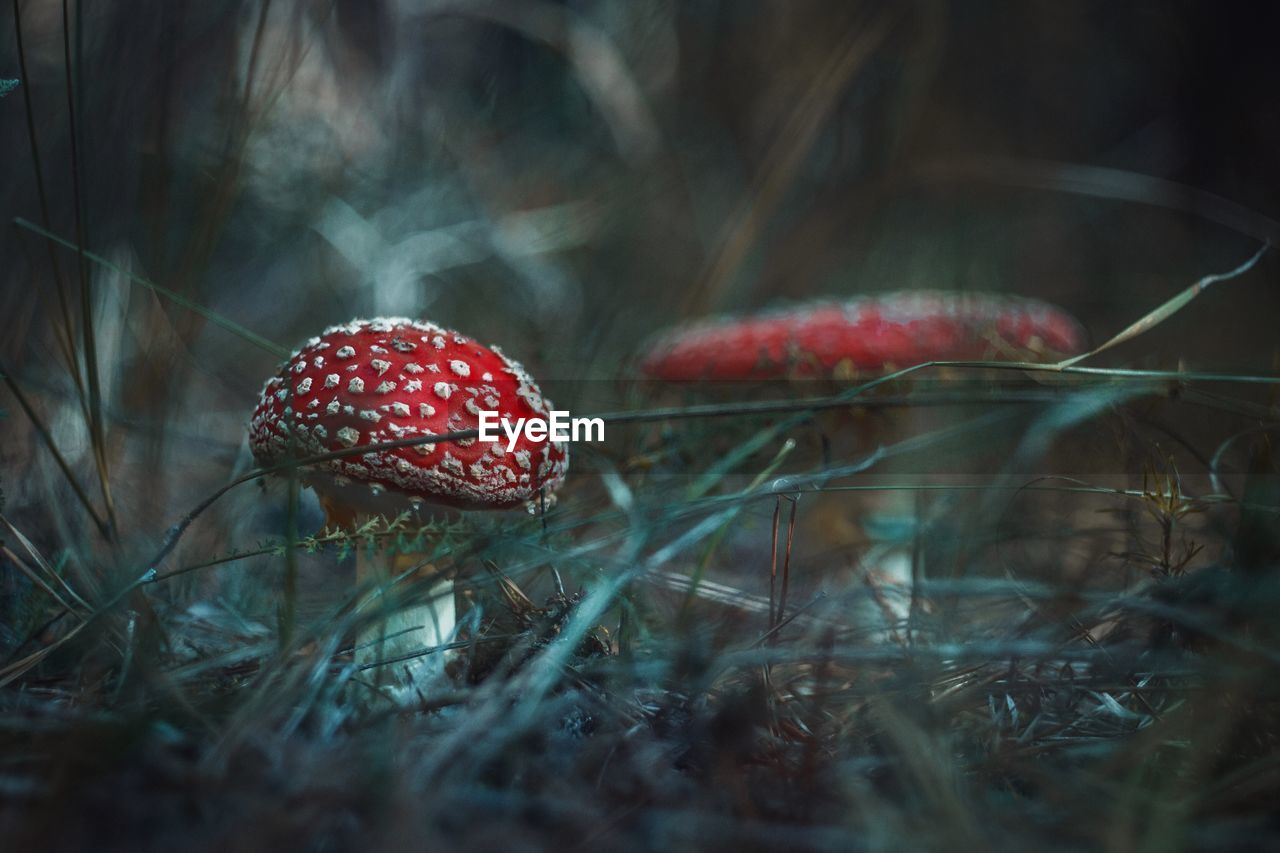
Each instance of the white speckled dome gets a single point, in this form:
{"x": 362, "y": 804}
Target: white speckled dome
{"x": 379, "y": 380}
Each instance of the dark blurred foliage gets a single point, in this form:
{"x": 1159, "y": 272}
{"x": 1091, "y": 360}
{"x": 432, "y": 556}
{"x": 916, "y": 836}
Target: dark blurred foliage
{"x": 565, "y": 178}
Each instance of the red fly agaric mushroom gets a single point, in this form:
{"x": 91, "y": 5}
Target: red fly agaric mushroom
{"x": 374, "y": 381}
{"x": 864, "y": 334}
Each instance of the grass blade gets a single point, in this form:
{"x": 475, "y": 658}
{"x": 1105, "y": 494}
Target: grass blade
{"x": 176, "y": 298}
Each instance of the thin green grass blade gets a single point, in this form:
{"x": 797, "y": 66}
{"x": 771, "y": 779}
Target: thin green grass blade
{"x": 1168, "y": 309}
{"x": 212, "y": 316}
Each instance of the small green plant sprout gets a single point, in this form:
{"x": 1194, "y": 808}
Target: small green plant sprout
{"x": 401, "y": 534}
{"x": 1163, "y": 499}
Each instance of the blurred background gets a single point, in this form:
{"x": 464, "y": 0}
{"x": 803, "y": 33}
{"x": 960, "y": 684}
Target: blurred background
{"x": 564, "y": 179}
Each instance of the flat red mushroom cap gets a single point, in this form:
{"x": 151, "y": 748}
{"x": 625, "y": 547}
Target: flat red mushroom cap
{"x": 866, "y": 334}
{"x": 379, "y": 380}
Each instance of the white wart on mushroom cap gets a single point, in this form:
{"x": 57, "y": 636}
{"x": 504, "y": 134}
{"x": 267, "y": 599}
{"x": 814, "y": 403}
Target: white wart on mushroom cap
{"x": 389, "y": 378}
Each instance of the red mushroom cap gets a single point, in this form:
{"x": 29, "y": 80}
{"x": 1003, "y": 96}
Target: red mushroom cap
{"x": 871, "y": 333}
{"x": 379, "y": 380}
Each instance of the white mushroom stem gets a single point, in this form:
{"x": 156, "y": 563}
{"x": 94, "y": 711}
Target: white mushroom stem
{"x": 407, "y": 620}
{"x": 406, "y": 607}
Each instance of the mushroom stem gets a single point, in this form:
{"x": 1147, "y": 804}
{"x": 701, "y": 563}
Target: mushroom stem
{"x": 404, "y": 629}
